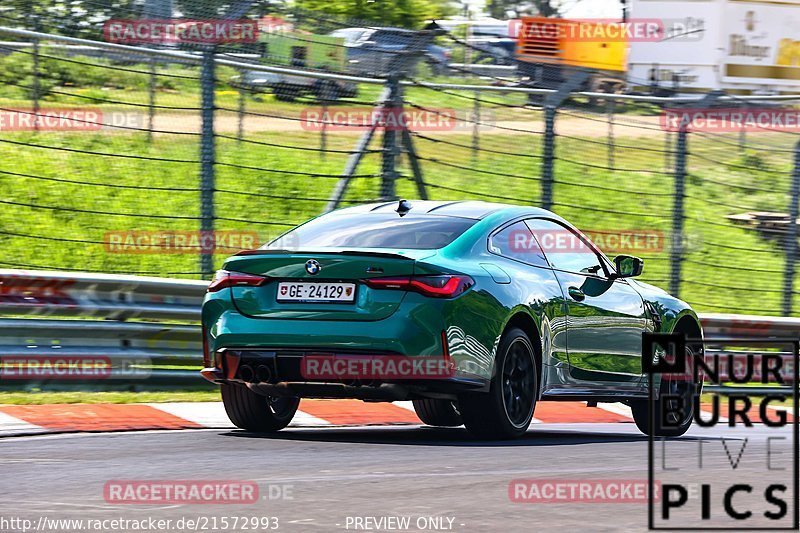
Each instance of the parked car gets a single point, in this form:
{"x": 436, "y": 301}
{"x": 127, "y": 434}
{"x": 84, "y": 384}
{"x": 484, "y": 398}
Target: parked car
{"x": 288, "y": 88}
{"x": 303, "y": 51}
{"x": 378, "y": 51}
{"x": 493, "y": 50}
{"x": 472, "y": 284}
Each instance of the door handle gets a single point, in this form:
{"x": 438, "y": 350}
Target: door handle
{"x": 576, "y": 294}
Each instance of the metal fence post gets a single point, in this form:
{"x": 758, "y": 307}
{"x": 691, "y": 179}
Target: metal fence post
{"x": 323, "y": 134}
{"x": 791, "y": 235}
{"x": 476, "y": 117}
{"x": 240, "y": 112}
{"x": 551, "y": 104}
{"x": 742, "y": 140}
{"x": 36, "y": 84}
{"x": 677, "y": 241}
{"x": 151, "y": 108}
{"x": 392, "y": 115}
{"x": 667, "y": 150}
{"x": 207, "y": 158}
{"x": 548, "y": 156}
{"x": 610, "y": 136}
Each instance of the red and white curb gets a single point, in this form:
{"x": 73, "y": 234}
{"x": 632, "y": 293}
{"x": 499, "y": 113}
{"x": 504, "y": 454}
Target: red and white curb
{"x": 57, "y": 418}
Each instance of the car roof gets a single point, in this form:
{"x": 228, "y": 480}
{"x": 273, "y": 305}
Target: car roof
{"x": 474, "y": 209}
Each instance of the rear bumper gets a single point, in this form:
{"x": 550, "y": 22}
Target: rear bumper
{"x": 280, "y": 373}
{"x": 414, "y": 330}
{"x": 405, "y": 332}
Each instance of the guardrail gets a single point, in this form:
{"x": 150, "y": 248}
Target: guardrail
{"x": 730, "y": 326}
{"x": 119, "y": 320}
{"x": 120, "y": 328}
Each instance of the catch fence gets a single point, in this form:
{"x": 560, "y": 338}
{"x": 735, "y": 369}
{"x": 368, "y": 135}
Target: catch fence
{"x": 175, "y": 156}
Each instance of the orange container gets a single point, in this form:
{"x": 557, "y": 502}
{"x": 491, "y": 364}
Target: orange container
{"x": 598, "y": 45}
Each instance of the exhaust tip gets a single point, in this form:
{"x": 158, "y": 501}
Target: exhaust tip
{"x": 263, "y": 373}
{"x": 246, "y": 373}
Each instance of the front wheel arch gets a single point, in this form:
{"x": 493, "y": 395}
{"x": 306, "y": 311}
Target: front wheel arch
{"x": 526, "y": 323}
{"x": 690, "y": 326}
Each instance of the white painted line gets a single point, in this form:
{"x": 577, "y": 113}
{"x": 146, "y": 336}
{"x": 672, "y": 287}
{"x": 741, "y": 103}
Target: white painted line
{"x": 206, "y": 414}
{"x": 213, "y": 415}
{"x": 10, "y": 426}
{"x": 305, "y": 419}
{"x": 617, "y": 408}
{"x": 624, "y": 410}
{"x": 409, "y": 405}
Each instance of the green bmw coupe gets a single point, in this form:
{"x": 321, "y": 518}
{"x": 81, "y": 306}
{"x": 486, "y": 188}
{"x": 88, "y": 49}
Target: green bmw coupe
{"x": 475, "y": 311}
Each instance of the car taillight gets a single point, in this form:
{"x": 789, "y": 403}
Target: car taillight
{"x": 224, "y": 279}
{"x": 433, "y": 286}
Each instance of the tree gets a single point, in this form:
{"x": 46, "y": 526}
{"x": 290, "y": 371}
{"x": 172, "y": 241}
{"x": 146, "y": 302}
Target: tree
{"x": 85, "y": 18}
{"x": 403, "y": 13}
{"x": 501, "y": 8}
{"x": 75, "y": 18}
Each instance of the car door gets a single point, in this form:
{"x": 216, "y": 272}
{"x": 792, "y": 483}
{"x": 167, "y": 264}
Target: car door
{"x": 605, "y": 316}
{"x": 532, "y": 282}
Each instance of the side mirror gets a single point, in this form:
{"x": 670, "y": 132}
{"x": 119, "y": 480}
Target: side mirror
{"x": 628, "y": 266}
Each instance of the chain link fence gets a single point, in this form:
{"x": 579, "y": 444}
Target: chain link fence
{"x": 161, "y": 158}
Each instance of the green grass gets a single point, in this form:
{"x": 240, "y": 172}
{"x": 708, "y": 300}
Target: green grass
{"x": 707, "y": 398}
{"x": 268, "y": 201}
{"x": 42, "y": 398}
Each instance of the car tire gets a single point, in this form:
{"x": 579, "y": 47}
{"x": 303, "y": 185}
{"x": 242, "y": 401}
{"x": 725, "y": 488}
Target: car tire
{"x": 684, "y": 388}
{"x": 441, "y": 413}
{"x": 285, "y": 94}
{"x": 254, "y": 412}
{"x": 326, "y": 90}
{"x": 507, "y": 410}
{"x": 285, "y": 97}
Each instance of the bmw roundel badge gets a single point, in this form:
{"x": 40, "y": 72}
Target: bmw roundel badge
{"x": 313, "y": 267}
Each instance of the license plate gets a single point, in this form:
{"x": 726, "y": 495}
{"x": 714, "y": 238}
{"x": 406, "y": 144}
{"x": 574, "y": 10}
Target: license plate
{"x": 316, "y": 292}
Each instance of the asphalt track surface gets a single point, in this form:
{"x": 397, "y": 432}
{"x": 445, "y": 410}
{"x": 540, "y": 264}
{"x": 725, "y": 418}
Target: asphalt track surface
{"x": 336, "y": 473}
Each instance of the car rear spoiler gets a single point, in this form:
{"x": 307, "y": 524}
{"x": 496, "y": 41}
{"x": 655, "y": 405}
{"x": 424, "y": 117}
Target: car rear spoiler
{"x": 343, "y": 252}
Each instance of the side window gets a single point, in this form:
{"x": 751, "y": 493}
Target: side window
{"x": 564, "y": 248}
{"x": 517, "y": 242}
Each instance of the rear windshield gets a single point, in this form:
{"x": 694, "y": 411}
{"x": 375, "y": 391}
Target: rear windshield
{"x": 375, "y": 231}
